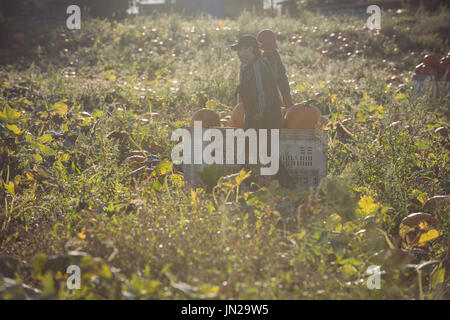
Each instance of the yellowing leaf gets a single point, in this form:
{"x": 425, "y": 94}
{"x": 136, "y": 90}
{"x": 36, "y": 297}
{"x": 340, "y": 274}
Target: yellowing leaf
{"x": 177, "y": 179}
{"x": 110, "y": 75}
{"x": 163, "y": 167}
{"x": 211, "y": 104}
{"x": 242, "y": 176}
{"x": 400, "y": 96}
{"x": 9, "y": 188}
{"x": 348, "y": 270}
{"x": 367, "y": 206}
{"x": 60, "y": 108}
{"x": 193, "y": 196}
{"x": 37, "y": 158}
{"x": 302, "y": 86}
{"x": 82, "y": 234}
{"x": 45, "y": 138}
{"x": 298, "y": 236}
{"x": 333, "y": 98}
{"x": 9, "y": 115}
{"x": 97, "y": 113}
{"x": 14, "y": 128}
{"x": 428, "y": 236}
{"x": 45, "y": 150}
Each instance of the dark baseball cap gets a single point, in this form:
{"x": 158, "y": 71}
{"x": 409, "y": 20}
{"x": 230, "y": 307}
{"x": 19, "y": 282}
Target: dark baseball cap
{"x": 245, "y": 41}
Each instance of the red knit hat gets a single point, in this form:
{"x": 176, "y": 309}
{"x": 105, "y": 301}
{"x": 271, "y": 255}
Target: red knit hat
{"x": 267, "y": 39}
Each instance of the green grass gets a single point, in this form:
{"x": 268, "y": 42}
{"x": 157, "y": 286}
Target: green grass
{"x": 146, "y": 235}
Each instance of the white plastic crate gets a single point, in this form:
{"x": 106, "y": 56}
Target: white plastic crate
{"x": 423, "y": 83}
{"x": 301, "y": 152}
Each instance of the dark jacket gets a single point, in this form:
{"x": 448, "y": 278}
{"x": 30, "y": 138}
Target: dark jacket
{"x": 279, "y": 72}
{"x": 259, "y": 94}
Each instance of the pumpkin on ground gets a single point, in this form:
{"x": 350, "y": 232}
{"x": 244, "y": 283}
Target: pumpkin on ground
{"x": 208, "y": 117}
{"x": 301, "y": 116}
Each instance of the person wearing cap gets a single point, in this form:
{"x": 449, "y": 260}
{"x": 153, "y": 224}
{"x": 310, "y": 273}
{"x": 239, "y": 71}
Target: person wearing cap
{"x": 259, "y": 94}
{"x": 257, "y": 87}
{"x": 268, "y": 42}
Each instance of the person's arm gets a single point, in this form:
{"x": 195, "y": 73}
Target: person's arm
{"x": 260, "y": 91}
{"x": 283, "y": 82}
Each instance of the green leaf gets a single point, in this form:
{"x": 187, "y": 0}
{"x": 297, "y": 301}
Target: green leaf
{"x": 9, "y": 115}
{"x": 37, "y": 157}
{"x": 351, "y": 261}
{"x": 39, "y": 264}
{"x": 157, "y": 186}
{"x": 386, "y": 237}
{"x": 45, "y": 150}
{"x": 438, "y": 277}
{"x": 48, "y": 285}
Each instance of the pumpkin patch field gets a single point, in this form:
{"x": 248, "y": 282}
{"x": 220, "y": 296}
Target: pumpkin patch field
{"x": 86, "y": 176}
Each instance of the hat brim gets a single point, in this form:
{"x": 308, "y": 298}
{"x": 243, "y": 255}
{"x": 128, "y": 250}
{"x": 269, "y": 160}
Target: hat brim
{"x": 234, "y": 47}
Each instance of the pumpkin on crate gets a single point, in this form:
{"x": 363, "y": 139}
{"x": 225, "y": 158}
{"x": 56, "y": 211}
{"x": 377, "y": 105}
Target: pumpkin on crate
{"x": 301, "y": 116}
{"x": 237, "y": 117}
{"x": 431, "y": 60}
{"x": 430, "y": 66}
{"x": 208, "y": 117}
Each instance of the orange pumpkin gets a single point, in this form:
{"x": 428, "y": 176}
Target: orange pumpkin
{"x": 445, "y": 61}
{"x": 420, "y": 69}
{"x": 208, "y": 118}
{"x": 237, "y": 117}
{"x": 432, "y": 71}
{"x": 301, "y": 116}
{"x": 431, "y": 60}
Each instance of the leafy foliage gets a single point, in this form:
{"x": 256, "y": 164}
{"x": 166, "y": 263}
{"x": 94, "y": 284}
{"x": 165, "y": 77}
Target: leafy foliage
{"x": 86, "y": 178}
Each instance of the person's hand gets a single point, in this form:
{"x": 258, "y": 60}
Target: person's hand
{"x": 288, "y": 103}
